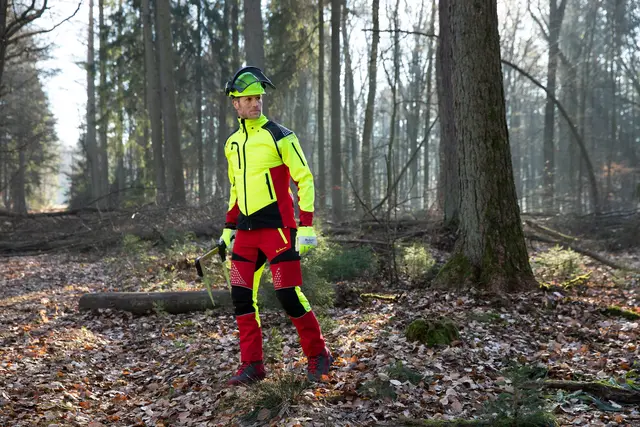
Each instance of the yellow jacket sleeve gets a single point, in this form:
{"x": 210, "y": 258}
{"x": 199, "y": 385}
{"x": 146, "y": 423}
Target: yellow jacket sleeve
{"x": 294, "y": 158}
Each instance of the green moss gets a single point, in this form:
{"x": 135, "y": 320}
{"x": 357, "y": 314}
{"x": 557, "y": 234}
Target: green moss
{"x": 621, "y": 312}
{"x": 457, "y": 272}
{"x": 433, "y": 332}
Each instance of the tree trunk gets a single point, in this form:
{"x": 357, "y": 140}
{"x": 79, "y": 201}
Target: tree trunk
{"x": 321, "y": 170}
{"x": 103, "y": 113}
{"x": 367, "y": 131}
{"x": 556, "y": 15}
{"x": 412, "y": 112}
{"x": 427, "y": 114}
{"x": 392, "y": 191}
{"x": 91, "y": 142}
{"x": 4, "y": 9}
{"x": 119, "y": 126}
{"x": 202, "y": 193}
{"x": 336, "y": 176}
{"x": 448, "y": 188}
{"x": 222, "y": 182}
{"x": 235, "y": 36}
{"x": 254, "y": 39}
{"x": 253, "y": 33}
{"x": 153, "y": 103}
{"x": 351, "y": 128}
{"x": 175, "y": 173}
{"x": 18, "y": 196}
{"x": 490, "y": 251}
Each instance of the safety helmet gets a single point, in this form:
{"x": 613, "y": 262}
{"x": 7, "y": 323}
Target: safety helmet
{"x": 247, "y": 81}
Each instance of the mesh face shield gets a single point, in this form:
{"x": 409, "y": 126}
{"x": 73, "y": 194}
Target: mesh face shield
{"x": 247, "y": 81}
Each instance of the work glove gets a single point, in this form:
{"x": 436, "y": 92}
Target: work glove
{"x": 225, "y": 242}
{"x": 306, "y": 239}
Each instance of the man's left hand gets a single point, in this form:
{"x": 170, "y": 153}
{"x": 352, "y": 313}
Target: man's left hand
{"x": 306, "y": 239}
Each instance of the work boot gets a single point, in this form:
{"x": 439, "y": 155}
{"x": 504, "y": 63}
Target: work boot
{"x": 319, "y": 365}
{"x": 249, "y": 373}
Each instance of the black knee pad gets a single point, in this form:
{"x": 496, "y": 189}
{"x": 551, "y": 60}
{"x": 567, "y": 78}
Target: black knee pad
{"x": 289, "y": 300}
{"x": 242, "y": 300}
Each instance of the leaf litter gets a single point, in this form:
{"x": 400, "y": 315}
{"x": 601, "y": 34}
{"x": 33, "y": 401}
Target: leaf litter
{"x": 62, "y": 367}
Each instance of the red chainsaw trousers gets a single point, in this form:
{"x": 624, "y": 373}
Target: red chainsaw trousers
{"x": 251, "y": 250}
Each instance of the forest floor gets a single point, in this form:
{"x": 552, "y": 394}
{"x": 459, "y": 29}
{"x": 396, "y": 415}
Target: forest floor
{"x": 63, "y": 367}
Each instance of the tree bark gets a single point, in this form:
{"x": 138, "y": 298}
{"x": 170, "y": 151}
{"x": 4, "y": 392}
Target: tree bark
{"x": 222, "y": 182}
{"x": 427, "y": 114}
{"x": 336, "y": 144}
{"x": 235, "y": 36}
{"x": 367, "y": 131}
{"x": 412, "y": 113}
{"x": 448, "y": 190}
{"x": 18, "y": 196}
{"x": 321, "y": 171}
{"x": 556, "y": 16}
{"x": 91, "y": 141}
{"x": 4, "y": 11}
{"x": 152, "y": 302}
{"x": 351, "y": 128}
{"x": 153, "y": 103}
{"x": 253, "y": 33}
{"x": 490, "y": 251}
{"x": 175, "y": 173}
{"x": 392, "y": 189}
{"x": 202, "y": 193}
{"x": 103, "y": 114}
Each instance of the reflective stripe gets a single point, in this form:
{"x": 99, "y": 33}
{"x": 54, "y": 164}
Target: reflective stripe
{"x": 256, "y": 285}
{"x": 283, "y": 236}
{"x": 303, "y": 299}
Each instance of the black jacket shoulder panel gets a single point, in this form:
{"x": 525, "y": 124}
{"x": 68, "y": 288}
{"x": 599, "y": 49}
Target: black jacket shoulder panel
{"x": 276, "y": 130}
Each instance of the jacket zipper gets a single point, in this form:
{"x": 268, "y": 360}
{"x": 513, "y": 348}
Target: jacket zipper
{"x": 244, "y": 158}
{"x": 238, "y": 153}
{"x": 266, "y": 176}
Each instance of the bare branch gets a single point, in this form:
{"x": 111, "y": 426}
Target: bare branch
{"x": 44, "y": 31}
{"x": 29, "y": 15}
{"x": 419, "y": 33}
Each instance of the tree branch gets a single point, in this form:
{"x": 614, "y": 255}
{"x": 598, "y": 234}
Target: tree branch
{"x": 420, "y": 33}
{"x": 33, "y": 33}
{"x": 574, "y": 131}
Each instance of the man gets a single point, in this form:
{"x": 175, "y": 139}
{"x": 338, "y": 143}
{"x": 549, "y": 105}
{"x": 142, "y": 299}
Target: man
{"x": 262, "y": 157}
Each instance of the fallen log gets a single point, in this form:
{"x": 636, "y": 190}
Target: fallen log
{"x": 153, "y": 302}
{"x": 603, "y": 391}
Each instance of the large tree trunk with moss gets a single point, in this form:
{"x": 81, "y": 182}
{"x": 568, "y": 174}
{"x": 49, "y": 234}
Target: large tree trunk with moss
{"x": 490, "y": 251}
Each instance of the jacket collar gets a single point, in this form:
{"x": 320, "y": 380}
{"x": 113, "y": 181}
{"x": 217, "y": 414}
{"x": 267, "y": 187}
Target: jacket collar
{"x": 253, "y": 123}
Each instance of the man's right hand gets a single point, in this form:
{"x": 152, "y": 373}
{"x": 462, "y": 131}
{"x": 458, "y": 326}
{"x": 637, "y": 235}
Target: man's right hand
{"x": 226, "y": 240}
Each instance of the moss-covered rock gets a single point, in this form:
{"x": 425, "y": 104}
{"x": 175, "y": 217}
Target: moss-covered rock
{"x": 432, "y": 332}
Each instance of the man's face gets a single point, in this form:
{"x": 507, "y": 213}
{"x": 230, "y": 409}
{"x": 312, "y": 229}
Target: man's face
{"x": 248, "y": 107}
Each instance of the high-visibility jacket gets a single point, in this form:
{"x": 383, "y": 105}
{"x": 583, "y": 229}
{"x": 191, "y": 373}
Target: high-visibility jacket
{"x": 262, "y": 158}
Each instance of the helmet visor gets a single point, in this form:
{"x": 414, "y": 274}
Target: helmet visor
{"x": 248, "y": 81}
